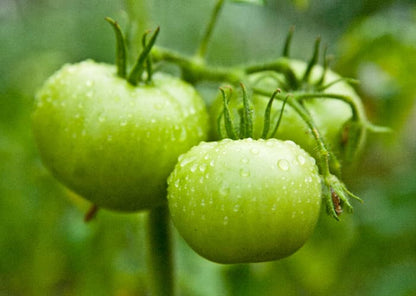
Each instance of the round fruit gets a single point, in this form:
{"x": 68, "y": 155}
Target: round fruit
{"x": 330, "y": 115}
{"x": 113, "y": 143}
{"x": 236, "y": 201}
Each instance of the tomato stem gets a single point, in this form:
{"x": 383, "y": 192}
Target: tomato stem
{"x": 313, "y": 61}
{"x": 149, "y": 66}
{"x": 347, "y": 99}
{"x": 195, "y": 71}
{"x": 288, "y": 42}
{"x": 121, "y": 60}
{"x": 246, "y": 127}
{"x": 135, "y": 75}
{"x": 203, "y": 45}
{"x": 228, "y": 122}
{"x": 326, "y": 60}
{"x": 160, "y": 252}
{"x": 266, "y": 123}
{"x": 276, "y": 127}
{"x": 281, "y": 65}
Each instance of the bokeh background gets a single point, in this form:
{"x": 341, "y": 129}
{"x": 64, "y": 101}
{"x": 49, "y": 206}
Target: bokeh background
{"x": 47, "y": 249}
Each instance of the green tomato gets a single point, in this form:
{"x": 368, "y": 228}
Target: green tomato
{"x": 113, "y": 143}
{"x": 331, "y": 116}
{"x": 236, "y": 201}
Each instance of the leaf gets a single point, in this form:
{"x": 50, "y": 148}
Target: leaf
{"x": 256, "y": 2}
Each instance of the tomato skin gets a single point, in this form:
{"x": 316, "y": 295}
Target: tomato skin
{"x": 329, "y": 115}
{"x": 113, "y": 143}
{"x": 245, "y": 200}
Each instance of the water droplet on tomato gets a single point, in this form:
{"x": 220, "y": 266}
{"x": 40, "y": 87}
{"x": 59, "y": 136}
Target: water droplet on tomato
{"x": 158, "y": 106}
{"x": 176, "y": 184}
{"x": 224, "y": 191}
{"x": 283, "y": 164}
{"x": 244, "y": 173}
{"x": 301, "y": 159}
{"x": 254, "y": 151}
{"x": 244, "y": 160}
{"x": 203, "y": 167}
{"x": 193, "y": 168}
{"x": 183, "y": 135}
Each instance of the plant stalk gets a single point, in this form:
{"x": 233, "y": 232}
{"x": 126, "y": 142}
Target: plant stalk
{"x": 202, "y": 49}
{"x": 160, "y": 252}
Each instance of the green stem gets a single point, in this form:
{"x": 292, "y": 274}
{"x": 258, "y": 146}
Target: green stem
{"x": 347, "y": 99}
{"x": 160, "y": 252}
{"x": 288, "y": 41}
{"x": 195, "y": 70}
{"x": 121, "y": 60}
{"x": 135, "y": 75}
{"x": 313, "y": 61}
{"x": 282, "y": 66}
{"x": 202, "y": 49}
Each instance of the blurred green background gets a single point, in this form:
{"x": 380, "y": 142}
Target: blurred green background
{"x": 47, "y": 249}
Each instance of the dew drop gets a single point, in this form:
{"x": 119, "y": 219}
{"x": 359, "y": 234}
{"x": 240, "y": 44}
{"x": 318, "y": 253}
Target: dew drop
{"x": 109, "y": 138}
{"x": 283, "y": 164}
{"x": 123, "y": 123}
{"x": 193, "y": 168}
{"x": 301, "y": 159}
{"x": 183, "y": 135}
{"x": 244, "y": 173}
{"x": 254, "y": 151}
{"x": 236, "y": 208}
{"x": 224, "y": 191}
{"x": 203, "y": 167}
{"x": 244, "y": 160}
{"x": 225, "y": 220}
{"x": 176, "y": 184}
{"x": 158, "y": 106}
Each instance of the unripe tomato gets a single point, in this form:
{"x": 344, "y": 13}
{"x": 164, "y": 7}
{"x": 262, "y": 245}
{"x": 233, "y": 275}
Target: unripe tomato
{"x": 331, "y": 116}
{"x": 236, "y": 201}
{"x": 113, "y": 143}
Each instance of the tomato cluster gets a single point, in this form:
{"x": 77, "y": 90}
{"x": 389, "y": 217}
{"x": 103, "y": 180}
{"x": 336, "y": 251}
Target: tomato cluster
{"x": 253, "y": 193}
